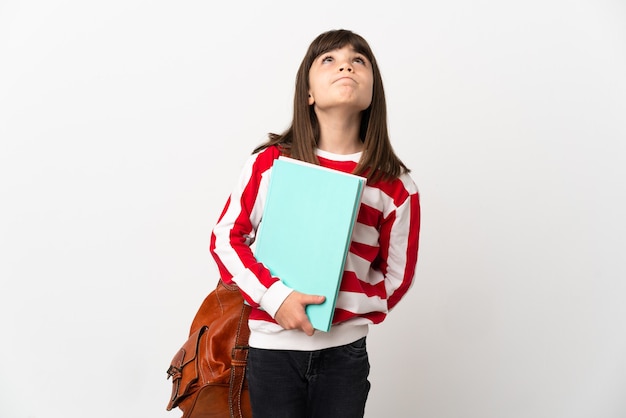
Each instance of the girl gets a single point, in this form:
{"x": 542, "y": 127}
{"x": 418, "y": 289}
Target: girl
{"x": 339, "y": 121}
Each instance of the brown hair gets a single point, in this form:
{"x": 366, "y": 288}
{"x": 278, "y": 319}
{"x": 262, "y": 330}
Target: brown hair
{"x": 378, "y": 160}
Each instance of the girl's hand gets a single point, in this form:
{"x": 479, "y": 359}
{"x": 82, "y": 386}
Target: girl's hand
{"x": 292, "y": 314}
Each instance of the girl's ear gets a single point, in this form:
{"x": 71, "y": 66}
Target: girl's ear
{"x": 311, "y": 99}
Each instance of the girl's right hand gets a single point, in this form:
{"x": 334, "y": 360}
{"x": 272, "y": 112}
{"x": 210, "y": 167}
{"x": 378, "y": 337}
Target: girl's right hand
{"x": 292, "y": 314}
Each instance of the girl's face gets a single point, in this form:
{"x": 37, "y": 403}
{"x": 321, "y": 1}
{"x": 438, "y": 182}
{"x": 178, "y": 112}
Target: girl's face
{"x": 341, "y": 77}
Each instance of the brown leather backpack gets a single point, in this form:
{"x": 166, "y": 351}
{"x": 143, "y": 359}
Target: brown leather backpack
{"x": 208, "y": 372}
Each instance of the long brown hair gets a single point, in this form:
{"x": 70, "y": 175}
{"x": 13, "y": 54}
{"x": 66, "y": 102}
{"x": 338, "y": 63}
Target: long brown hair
{"x": 378, "y": 160}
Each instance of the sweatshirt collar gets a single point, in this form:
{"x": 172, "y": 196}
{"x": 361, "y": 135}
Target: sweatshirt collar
{"x": 338, "y": 157}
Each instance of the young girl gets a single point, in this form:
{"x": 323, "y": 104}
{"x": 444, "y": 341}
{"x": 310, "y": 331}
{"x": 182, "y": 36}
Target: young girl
{"x": 340, "y": 122}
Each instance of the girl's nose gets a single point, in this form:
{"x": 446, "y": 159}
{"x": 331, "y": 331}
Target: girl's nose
{"x": 345, "y": 67}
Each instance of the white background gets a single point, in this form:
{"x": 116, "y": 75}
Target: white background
{"x": 124, "y": 125}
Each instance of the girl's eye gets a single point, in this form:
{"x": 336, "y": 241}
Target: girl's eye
{"x": 327, "y": 58}
{"x": 360, "y": 60}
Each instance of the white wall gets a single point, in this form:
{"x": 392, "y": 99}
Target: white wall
{"x": 123, "y": 125}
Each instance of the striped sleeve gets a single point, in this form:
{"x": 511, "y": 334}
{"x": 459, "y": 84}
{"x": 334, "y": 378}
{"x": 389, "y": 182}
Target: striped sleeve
{"x": 399, "y": 241}
{"x": 235, "y": 232}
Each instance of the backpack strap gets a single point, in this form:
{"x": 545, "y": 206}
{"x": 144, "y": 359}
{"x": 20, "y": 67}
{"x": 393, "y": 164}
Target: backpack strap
{"x": 238, "y": 364}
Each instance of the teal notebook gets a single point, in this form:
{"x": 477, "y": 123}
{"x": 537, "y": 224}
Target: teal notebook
{"x": 306, "y": 229}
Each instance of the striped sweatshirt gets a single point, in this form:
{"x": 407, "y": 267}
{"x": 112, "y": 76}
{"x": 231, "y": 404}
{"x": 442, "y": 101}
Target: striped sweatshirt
{"x": 379, "y": 268}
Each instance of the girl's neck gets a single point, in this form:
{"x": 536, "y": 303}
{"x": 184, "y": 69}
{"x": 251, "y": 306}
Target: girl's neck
{"x": 340, "y": 135}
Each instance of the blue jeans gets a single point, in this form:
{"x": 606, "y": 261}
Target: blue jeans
{"x": 329, "y": 383}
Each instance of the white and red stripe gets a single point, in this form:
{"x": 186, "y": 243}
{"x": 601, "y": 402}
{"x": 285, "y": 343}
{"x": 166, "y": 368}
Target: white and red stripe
{"x": 379, "y": 269}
